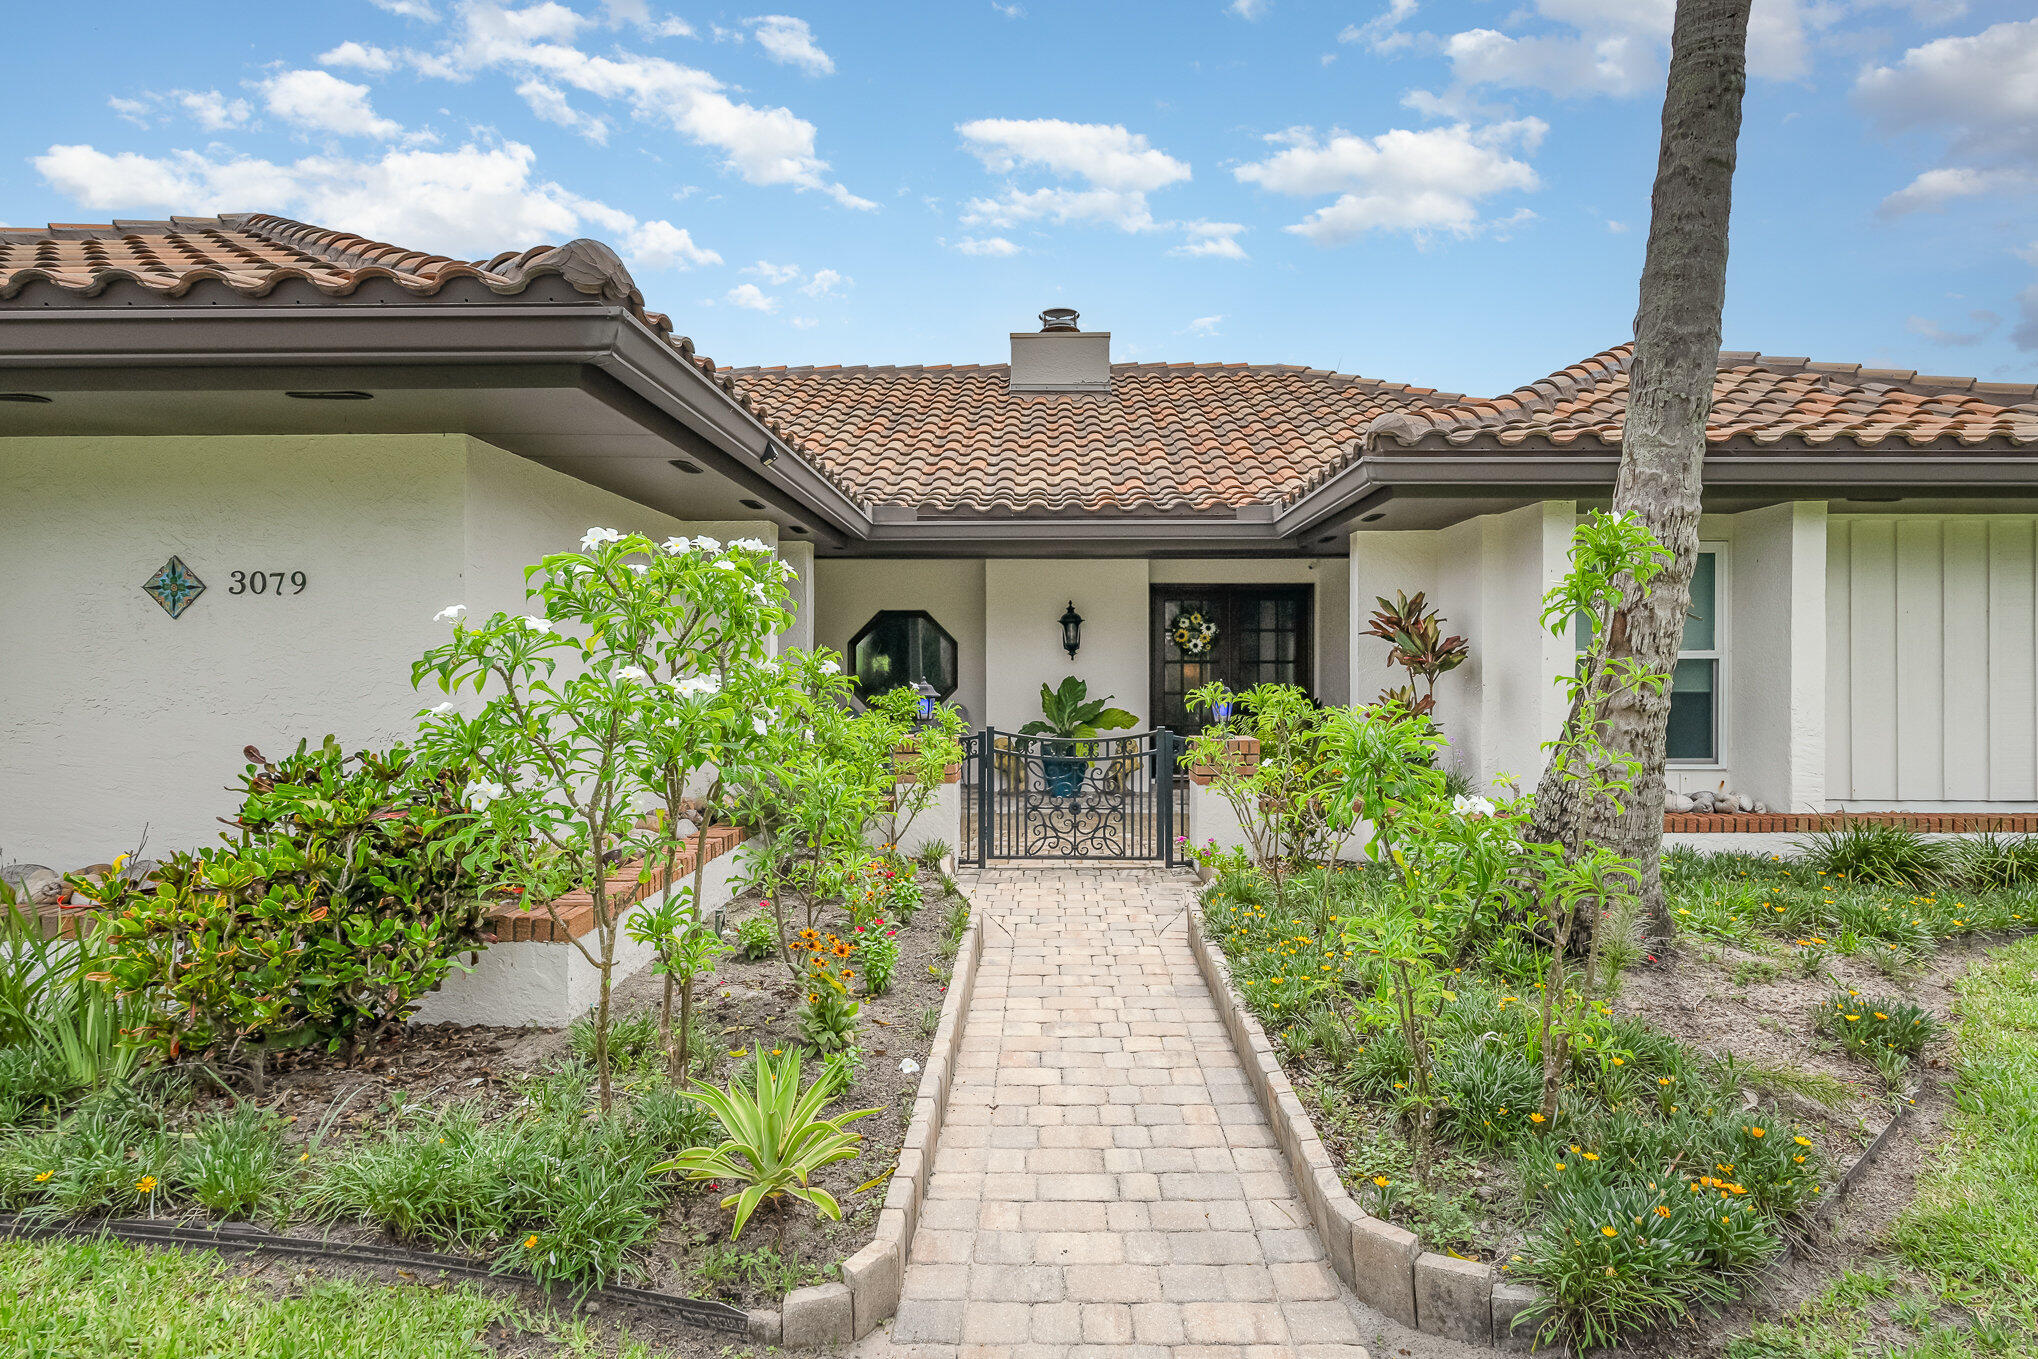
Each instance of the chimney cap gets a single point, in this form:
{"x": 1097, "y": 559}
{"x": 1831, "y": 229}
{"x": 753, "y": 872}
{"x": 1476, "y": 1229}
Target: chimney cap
{"x": 1059, "y": 318}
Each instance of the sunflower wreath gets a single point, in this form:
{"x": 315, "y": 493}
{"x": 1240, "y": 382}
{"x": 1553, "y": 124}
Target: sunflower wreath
{"x": 1193, "y": 634}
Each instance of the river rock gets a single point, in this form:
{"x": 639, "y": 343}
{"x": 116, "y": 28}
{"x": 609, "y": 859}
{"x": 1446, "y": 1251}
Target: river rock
{"x": 32, "y": 882}
{"x": 1702, "y": 802}
{"x": 1726, "y": 802}
{"x": 1676, "y": 803}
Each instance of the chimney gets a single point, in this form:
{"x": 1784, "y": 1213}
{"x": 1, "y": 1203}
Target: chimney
{"x": 1059, "y": 357}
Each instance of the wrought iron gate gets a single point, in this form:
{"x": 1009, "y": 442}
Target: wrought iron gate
{"x": 1052, "y": 797}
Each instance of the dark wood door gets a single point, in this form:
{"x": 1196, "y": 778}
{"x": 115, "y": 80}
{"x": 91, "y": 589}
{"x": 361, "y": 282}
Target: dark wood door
{"x": 1262, "y": 637}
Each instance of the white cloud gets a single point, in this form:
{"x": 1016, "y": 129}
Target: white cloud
{"x": 550, "y": 104}
{"x": 661, "y": 245}
{"x": 1934, "y": 189}
{"x": 1382, "y": 32}
{"x": 790, "y": 42}
{"x": 1616, "y": 228}
{"x": 318, "y": 101}
{"x": 995, "y": 246}
{"x": 1009, "y": 11}
{"x": 764, "y": 146}
{"x": 1205, "y": 325}
{"x": 1249, "y": 10}
{"x": 1980, "y": 90}
{"x": 1618, "y": 47}
{"x": 1415, "y": 181}
{"x": 804, "y": 322}
{"x": 751, "y": 297}
{"x": 1984, "y": 324}
{"x": 1214, "y": 239}
{"x": 826, "y": 283}
{"x": 1118, "y": 169}
{"x": 135, "y": 111}
{"x": 777, "y": 275}
{"x": 420, "y": 10}
{"x": 359, "y": 57}
{"x": 470, "y": 202}
{"x": 212, "y": 110}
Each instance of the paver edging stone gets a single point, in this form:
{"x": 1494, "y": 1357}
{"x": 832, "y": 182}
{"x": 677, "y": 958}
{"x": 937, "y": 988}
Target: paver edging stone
{"x": 1383, "y": 1264}
{"x": 871, "y": 1280}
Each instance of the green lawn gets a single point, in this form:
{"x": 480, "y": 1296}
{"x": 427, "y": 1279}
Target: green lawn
{"x": 92, "y": 1299}
{"x": 1963, "y": 1258}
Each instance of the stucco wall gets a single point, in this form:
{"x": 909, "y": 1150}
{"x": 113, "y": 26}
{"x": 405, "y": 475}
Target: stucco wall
{"x": 847, "y": 591}
{"x": 1023, "y": 600}
{"x": 1487, "y": 577}
{"x": 1932, "y": 661}
{"x": 117, "y": 716}
{"x": 1776, "y": 655}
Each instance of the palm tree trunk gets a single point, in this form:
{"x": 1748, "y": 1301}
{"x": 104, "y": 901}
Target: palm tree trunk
{"x": 1670, "y": 388}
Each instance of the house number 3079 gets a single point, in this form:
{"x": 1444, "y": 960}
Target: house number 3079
{"x": 268, "y": 583}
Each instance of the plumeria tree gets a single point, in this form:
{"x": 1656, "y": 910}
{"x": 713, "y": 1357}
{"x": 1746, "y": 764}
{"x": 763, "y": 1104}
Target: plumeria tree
{"x": 601, "y": 711}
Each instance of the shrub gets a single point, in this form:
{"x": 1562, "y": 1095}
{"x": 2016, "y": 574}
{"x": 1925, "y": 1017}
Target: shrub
{"x": 62, "y": 1029}
{"x": 775, "y": 1139}
{"x": 354, "y": 884}
{"x": 877, "y": 948}
{"x": 633, "y": 1040}
{"x": 1869, "y": 1024}
{"x": 1490, "y": 1089}
{"x": 1885, "y": 856}
{"x": 231, "y": 1163}
{"x": 757, "y": 938}
{"x": 1991, "y": 862}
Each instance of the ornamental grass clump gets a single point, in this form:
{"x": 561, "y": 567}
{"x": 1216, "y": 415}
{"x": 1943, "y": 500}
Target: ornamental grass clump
{"x": 1877, "y": 855}
{"x": 1866, "y": 1025}
{"x": 232, "y": 1163}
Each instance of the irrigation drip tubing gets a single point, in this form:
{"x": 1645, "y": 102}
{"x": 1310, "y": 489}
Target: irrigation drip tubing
{"x": 713, "y": 1316}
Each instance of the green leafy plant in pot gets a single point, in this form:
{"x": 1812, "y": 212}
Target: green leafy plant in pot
{"x": 1069, "y": 714}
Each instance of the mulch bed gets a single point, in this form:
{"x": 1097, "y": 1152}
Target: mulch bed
{"x": 752, "y": 1006}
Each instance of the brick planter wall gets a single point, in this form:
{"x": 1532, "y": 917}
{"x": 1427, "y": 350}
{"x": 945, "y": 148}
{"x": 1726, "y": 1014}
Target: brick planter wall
{"x": 1944, "y": 823}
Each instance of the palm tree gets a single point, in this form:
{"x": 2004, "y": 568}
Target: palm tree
{"x": 1670, "y": 388}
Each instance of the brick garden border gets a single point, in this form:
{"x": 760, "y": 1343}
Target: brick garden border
{"x": 867, "y": 1294}
{"x": 1757, "y": 823}
{"x": 1383, "y": 1264}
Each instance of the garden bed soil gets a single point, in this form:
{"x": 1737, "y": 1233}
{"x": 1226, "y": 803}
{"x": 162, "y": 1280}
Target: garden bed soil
{"x": 749, "y": 1006}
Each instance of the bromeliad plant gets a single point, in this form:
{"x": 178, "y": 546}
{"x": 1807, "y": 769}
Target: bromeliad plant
{"x": 645, "y": 663}
{"x": 775, "y": 1140}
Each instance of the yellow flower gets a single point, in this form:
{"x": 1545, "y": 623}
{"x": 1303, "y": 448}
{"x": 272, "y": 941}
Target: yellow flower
{"x": 1592, "y": 1156}
{"x": 1536, "y": 1118}
{"x": 302, "y": 1159}
{"x": 531, "y": 1242}
{"x": 1756, "y": 1132}
{"x": 145, "y": 1185}
{"x": 1560, "y": 1165}
{"x": 1382, "y": 1181}
{"x": 1608, "y": 1231}
{"x": 1802, "y": 1141}
{"x": 1662, "y": 1210}
{"x": 1620, "y": 1061}
{"x": 44, "y": 1176}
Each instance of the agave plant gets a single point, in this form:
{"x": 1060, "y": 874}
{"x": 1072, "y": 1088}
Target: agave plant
{"x": 776, "y": 1140}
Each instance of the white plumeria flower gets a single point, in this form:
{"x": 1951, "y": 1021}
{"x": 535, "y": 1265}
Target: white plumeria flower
{"x": 750, "y": 545}
{"x": 595, "y": 537}
{"x": 631, "y": 672}
{"x": 451, "y": 612}
{"x": 697, "y": 686}
{"x": 1473, "y": 806}
{"x": 761, "y": 725}
{"x": 481, "y": 792}
{"x": 830, "y": 668}
{"x": 536, "y": 624}
{"x": 441, "y": 709}
{"x": 675, "y": 546}
{"x": 726, "y": 565}
{"x": 907, "y": 1066}
{"x": 707, "y": 544}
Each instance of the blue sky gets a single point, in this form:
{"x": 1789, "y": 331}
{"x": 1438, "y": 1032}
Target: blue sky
{"x": 1451, "y": 194}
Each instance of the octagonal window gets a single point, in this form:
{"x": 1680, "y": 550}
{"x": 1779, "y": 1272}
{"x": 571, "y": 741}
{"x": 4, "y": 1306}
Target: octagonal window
{"x": 902, "y": 646}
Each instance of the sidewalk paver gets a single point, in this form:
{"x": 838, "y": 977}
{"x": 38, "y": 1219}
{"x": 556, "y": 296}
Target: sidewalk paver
{"x": 1104, "y": 1183}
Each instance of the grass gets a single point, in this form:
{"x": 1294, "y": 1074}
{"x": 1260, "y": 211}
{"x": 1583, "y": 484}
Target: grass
{"x": 1962, "y": 1255}
{"x": 113, "y": 1298}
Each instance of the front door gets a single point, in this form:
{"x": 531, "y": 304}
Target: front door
{"x": 1241, "y": 634}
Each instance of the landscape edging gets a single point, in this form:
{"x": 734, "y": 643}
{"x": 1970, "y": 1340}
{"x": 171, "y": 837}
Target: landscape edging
{"x": 1400, "y": 1272}
{"x": 867, "y": 1294}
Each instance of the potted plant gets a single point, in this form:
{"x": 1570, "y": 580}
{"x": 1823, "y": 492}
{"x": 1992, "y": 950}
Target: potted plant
{"x": 1069, "y": 714}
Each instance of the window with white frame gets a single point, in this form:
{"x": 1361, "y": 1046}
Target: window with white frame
{"x": 1697, "y": 697}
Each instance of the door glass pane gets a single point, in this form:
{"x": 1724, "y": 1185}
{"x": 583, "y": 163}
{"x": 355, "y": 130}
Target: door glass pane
{"x": 1692, "y": 711}
{"x": 1699, "y": 621}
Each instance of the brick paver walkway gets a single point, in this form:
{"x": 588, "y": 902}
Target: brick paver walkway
{"x": 1105, "y": 1184}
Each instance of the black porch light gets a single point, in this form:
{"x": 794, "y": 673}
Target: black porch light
{"x": 1071, "y": 630}
{"x": 929, "y": 696}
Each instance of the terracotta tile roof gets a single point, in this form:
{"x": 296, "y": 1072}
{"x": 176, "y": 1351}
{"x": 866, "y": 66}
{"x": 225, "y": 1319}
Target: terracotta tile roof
{"x": 1760, "y": 403}
{"x": 1167, "y": 438}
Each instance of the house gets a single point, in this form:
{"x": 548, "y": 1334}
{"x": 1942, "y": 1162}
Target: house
{"x": 244, "y": 460}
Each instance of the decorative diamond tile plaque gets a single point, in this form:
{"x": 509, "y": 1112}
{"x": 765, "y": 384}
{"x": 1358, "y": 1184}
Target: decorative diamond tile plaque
{"x": 174, "y": 587}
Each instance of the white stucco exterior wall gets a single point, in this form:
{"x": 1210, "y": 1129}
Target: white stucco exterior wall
{"x": 800, "y": 556}
{"x": 848, "y": 591}
{"x": 1487, "y": 577}
{"x": 1023, "y": 599}
{"x": 117, "y": 716}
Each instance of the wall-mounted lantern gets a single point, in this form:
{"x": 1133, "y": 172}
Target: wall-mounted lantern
{"x": 1071, "y": 630}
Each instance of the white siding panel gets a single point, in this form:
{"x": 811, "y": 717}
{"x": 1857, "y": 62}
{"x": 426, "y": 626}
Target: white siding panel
{"x": 2013, "y": 772}
{"x": 1873, "y": 644}
{"x": 1920, "y": 612}
{"x": 1839, "y": 668}
{"x": 1965, "y": 661}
